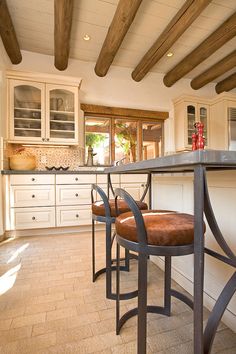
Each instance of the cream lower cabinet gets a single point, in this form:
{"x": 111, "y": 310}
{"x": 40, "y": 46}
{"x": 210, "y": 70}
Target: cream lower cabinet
{"x": 73, "y": 199}
{"x": 62, "y": 200}
{"x": 32, "y": 201}
{"x": 134, "y": 185}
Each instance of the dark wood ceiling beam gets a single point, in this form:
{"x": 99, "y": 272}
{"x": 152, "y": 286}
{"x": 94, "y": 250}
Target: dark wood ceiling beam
{"x": 63, "y": 10}
{"x": 214, "y": 71}
{"x": 106, "y": 111}
{"x": 213, "y": 42}
{"x": 123, "y": 18}
{"x": 8, "y": 34}
{"x": 178, "y": 25}
{"x": 227, "y": 84}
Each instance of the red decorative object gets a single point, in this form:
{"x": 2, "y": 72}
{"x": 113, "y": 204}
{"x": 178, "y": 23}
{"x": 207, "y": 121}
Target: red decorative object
{"x": 194, "y": 141}
{"x": 198, "y": 140}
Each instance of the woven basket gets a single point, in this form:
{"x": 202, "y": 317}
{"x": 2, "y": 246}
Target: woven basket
{"x": 22, "y": 162}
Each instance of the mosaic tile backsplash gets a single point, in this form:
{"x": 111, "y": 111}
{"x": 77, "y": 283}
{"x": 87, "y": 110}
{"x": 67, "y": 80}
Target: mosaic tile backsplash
{"x": 53, "y": 156}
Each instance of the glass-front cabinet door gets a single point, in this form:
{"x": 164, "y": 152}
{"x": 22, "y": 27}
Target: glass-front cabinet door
{"x": 62, "y": 113}
{"x": 27, "y": 111}
{"x": 203, "y": 117}
{"x": 191, "y": 118}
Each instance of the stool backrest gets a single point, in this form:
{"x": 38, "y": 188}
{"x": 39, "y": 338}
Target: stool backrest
{"x": 141, "y": 229}
{"x": 104, "y": 198}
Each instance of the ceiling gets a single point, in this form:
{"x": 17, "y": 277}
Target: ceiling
{"x": 34, "y": 24}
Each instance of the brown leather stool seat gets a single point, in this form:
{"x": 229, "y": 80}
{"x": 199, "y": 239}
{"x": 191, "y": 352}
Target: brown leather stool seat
{"x": 163, "y": 228}
{"x": 99, "y": 209}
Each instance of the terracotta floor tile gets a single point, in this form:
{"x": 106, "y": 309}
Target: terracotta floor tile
{"x": 55, "y": 308}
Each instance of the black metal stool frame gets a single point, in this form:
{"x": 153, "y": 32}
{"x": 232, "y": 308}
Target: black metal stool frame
{"x": 144, "y": 250}
{"x": 109, "y": 220}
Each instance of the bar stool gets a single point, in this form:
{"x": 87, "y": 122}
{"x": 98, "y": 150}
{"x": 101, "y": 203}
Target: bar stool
{"x": 106, "y": 211}
{"x": 156, "y": 233}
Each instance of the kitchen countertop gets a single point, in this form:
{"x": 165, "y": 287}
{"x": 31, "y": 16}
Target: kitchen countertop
{"x": 31, "y": 172}
{"x": 184, "y": 162}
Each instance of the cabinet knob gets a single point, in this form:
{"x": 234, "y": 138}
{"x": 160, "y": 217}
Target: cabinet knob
{"x": 76, "y": 178}
{"x": 77, "y": 215}
{"x": 47, "y": 139}
{"x": 33, "y": 179}
{"x": 33, "y": 217}
{"x": 76, "y": 194}
{"x": 142, "y": 185}
{"x": 33, "y": 196}
{"x": 43, "y": 139}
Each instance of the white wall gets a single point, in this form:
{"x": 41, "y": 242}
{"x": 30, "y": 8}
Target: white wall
{"x": 117, "y": 88}
{"x": 222, "y": 190}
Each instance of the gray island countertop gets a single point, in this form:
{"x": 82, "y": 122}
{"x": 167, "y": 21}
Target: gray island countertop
{"x": 212, "y": 159}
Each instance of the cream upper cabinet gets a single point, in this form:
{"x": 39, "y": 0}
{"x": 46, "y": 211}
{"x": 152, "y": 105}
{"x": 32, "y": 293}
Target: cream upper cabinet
{"x": 189, "y": 110}
{"x": 26, "y": 111}
{"x": 61, "y": 113}
{"x": 42, "y": 111}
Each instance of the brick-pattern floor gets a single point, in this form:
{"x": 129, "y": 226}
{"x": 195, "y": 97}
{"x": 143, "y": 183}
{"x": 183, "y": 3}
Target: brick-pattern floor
{"x": 52, "y": 306}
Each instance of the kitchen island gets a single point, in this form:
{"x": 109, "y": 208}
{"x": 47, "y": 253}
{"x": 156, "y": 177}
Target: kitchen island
{"x": 192, "y": 168}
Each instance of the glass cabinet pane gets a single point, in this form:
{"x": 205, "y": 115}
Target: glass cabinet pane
{"x": 152, "y": 145}
{"x": 27, "y": 111}
{"x": 62, "y": 114}
{"x": 191, "y": 116}
{"x": 203, "y": 119}
{"x": 125, "y": 140}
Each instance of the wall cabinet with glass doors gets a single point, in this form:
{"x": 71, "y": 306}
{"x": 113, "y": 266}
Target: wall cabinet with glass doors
{"x": 188, "y": 111}
{"x": 41, "y": 112}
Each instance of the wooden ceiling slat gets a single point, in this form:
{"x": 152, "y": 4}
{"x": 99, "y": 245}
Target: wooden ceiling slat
{"x": 63, "y": 10}
{"x": 178, "y": 25}
{"x": 218, "y": 69}
{"x": 227, "y": 84}
{"x": 124, "y": 16}
{"x": 217, "y": 39}
{"x": 8, "y": 34}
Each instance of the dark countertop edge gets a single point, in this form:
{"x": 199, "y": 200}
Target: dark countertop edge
{"x": 181, "y": 162}
{"x": 46, "y": 172}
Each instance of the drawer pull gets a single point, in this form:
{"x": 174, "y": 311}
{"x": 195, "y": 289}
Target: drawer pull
{"x": 76, "y": 179}
{"x": 33, "y": 196}
{"x": 33, "y": 217}
{"x": 77, "y": 215}
{"x": 33, "y": 179}
{"x": 76, "y": 194}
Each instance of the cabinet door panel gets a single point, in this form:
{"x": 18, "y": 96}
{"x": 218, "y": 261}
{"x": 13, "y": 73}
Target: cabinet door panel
{"x": 73, "y": 195}
{"x": 27, "y": 111}
{"x": 26, "y": 196}
{"x": 73, "y": 216}
{"x": 75, "y": 179}
{"x": 62, "y": 113}
{"x": 32, "y": 179}
{"x": 32, "y": 218}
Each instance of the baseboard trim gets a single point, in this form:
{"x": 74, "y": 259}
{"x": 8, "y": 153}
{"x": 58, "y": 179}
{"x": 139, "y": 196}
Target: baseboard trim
{"x": 229, "y": 319}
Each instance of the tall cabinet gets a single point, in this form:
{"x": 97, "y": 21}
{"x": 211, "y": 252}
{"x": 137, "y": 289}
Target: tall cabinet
{"x": 43, "y": 109}
{"x": 189, "y": 110}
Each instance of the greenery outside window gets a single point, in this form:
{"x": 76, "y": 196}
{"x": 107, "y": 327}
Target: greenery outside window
{"x": 129, "y": 137}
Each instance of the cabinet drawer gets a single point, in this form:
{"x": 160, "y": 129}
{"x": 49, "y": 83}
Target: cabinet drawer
{"x": 73, "y": 195}
{"x": 32, "y": 218}
{"x": 133, "y": 178}
{"x": 26, "y": 196}
{"x": 75, "y": 179}
{"x": 73, "y": 216}
{"x": 33, "y": 179}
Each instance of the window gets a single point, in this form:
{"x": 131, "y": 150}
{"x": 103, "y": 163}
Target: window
{"x": 113, "y": 136}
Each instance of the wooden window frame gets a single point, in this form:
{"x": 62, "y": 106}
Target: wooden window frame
{"x": 128, "y": 114}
